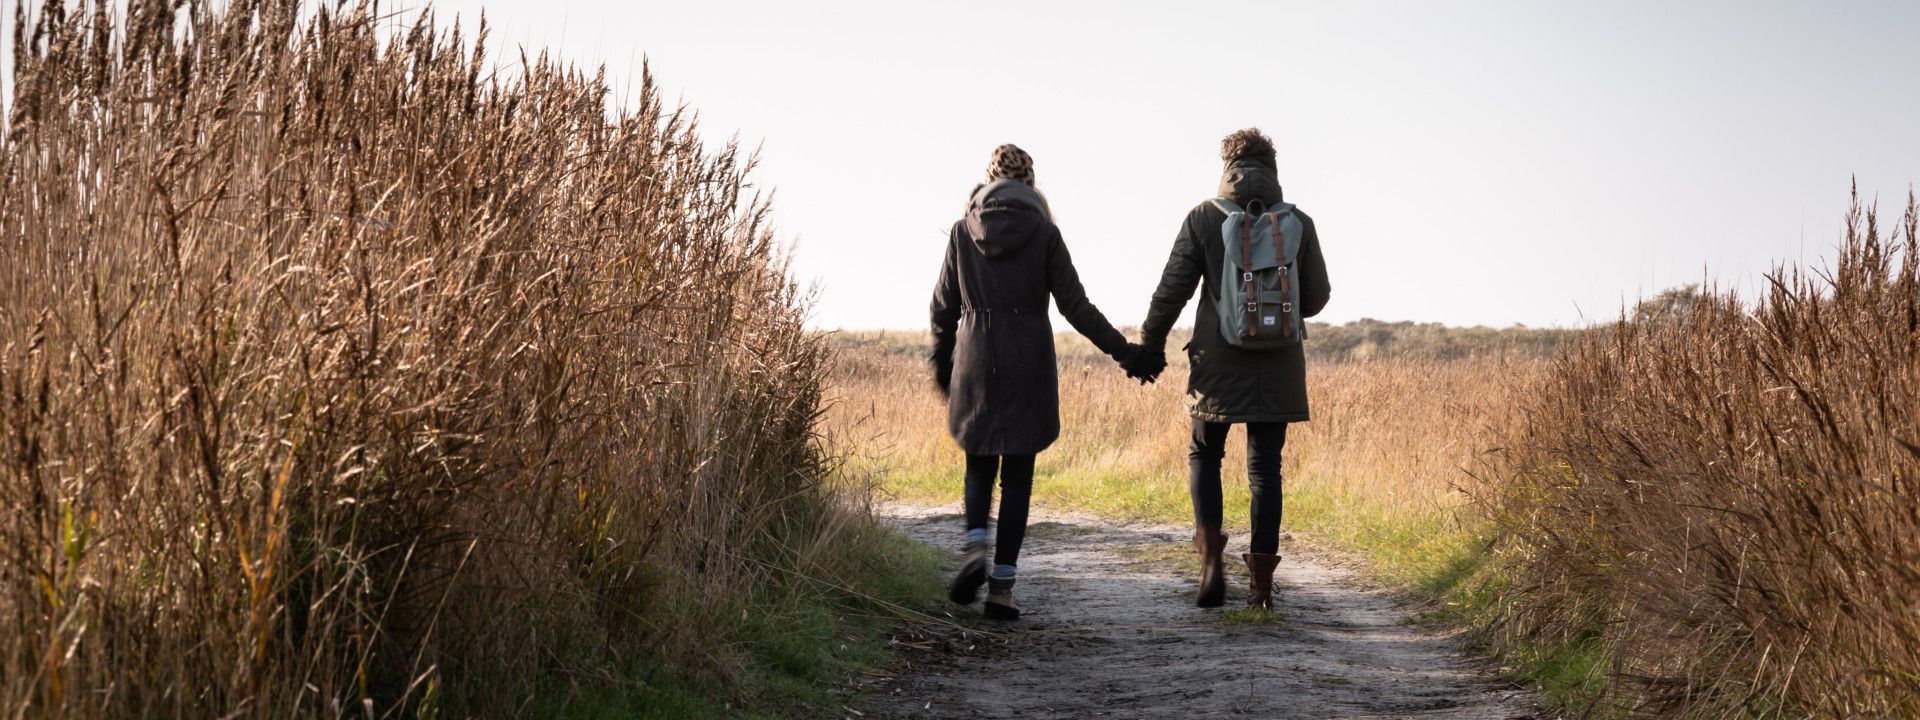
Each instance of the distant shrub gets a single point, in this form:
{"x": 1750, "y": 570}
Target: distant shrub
{"x": 1369, "y": 339}
{"x": 1357, "y": 341}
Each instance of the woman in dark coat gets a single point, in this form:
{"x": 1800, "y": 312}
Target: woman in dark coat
{"x": 993, "y": 358}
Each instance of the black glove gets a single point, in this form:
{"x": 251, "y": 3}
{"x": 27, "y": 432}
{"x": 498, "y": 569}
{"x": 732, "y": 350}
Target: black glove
{"x": 943, "y": 376}
{"x": 1144, "y": 363}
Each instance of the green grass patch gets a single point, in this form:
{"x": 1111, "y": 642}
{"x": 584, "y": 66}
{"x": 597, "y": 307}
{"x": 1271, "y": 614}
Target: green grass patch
{"x": 1429, "y": 552}
{"x": 1246, "y": 616}
{"x": 1116, "y": 496}
{"x": 797, "y": 642}
{"x": 1569, "y": 675}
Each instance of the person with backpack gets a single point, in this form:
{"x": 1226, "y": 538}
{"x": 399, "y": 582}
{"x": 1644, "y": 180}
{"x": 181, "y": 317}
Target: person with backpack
{"x": 993, "y": 359}
{"x": 1257, "y": 262}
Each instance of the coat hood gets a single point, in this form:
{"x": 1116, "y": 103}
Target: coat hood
{"x": 1247, "y": 179}
{"x": 1005, "y": 215}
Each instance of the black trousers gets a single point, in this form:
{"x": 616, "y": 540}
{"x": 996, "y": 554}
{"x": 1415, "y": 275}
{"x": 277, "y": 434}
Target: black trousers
{"x": 1264, "y": 441}
{"x": 1016, "y": 490}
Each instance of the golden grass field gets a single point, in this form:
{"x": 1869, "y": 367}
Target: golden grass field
{"x": 1385, "y": 467}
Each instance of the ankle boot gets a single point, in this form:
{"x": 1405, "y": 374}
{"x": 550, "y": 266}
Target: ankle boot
{"x": 965, "y": 587}
{"x": 1213, "y": 579}
{"x": 1000, "y": 600}
{"x": 1260, "y": 579}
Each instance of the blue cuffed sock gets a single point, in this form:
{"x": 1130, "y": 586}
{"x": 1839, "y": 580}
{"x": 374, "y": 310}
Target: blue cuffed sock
{"x": 976, "y": 535}
{"x": 1003, "y": 572}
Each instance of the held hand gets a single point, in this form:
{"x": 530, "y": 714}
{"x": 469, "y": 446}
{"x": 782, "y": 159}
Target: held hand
{"x": 1143, "y": 363}
{"x": 1153, "y": 361}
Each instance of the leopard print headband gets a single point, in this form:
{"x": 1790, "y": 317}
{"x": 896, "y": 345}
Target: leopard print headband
{"x": 1012, "y": 163}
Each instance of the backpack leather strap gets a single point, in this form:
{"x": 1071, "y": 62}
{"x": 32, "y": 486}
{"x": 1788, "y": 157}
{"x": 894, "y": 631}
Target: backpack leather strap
{"x": 1286, "y": 276}
{"x": 1246, "y": 276}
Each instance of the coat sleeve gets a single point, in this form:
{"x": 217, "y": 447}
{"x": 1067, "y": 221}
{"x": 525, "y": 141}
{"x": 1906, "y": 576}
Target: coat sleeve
{"x": 945, "y": 311}
{"x": 1314, "y": 290}
{"x": 1064, "y": 282}
{"x": 1185, "y": 266}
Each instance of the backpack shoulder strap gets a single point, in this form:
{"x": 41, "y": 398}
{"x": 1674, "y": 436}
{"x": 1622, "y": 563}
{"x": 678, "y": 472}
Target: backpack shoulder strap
{"x": 1226, "y": 206}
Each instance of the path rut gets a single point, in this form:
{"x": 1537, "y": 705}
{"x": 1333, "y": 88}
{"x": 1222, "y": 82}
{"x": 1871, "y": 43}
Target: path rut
{"x": 1110, "y": 631}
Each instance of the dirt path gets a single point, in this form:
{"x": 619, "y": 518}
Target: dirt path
{"x": 1110, "y": 631}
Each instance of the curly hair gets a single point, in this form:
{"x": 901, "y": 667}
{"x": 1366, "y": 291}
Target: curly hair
{"x": 1247, "y": 143}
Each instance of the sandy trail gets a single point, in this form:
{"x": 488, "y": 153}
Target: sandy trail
{"x": 1110, "y": 631}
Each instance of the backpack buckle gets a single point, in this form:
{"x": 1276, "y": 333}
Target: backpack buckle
{"x": 1246, "y": 277}
{"x": 1286, "y": 307}
{"x": 1253, "y": 306}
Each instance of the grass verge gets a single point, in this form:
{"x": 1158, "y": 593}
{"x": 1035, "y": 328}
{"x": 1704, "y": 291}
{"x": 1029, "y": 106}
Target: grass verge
{"x": 794, "y": 641}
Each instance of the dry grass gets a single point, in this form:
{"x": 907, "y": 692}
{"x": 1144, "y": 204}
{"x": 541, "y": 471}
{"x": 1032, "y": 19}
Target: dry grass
{"x": 1721, "y": 501}
{"x": 340, "y": 377}
{"x": 1381, "y": 468}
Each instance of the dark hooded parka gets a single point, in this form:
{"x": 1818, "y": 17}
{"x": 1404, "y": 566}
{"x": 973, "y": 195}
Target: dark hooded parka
{"x": 991, "y": 332}
{"x": 1226, "y": 383}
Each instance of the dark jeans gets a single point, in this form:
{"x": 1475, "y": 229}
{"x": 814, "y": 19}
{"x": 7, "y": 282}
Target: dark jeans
{"x": 1016, "y": 488}
{"x": 1264, "y": 441}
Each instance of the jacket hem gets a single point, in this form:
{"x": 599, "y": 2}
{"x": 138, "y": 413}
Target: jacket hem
{"x": 1005, "y": 448}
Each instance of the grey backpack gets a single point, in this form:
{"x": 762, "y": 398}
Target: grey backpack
{"x": 1260, "y": 278}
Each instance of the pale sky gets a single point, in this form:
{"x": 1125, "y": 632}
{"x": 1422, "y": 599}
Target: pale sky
{"x": 1466, "y": 162}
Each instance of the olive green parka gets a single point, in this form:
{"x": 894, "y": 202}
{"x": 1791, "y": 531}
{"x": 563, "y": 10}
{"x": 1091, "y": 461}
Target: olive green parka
{"x": 1228, "y": 384}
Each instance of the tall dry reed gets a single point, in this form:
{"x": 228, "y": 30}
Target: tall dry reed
{"x": 1723, "y": 498}
{"x": 342, "y": 374}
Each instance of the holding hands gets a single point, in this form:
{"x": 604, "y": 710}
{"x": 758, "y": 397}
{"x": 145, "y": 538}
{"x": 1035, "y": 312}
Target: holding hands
{"x": 1144, "y": 362}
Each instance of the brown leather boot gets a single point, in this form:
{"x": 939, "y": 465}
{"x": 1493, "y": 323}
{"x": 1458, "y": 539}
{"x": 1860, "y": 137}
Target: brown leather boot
{"x": 1260, "y": 579}
{"x": 1000, "y": 600}
{"x": 1213, "y": 578}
